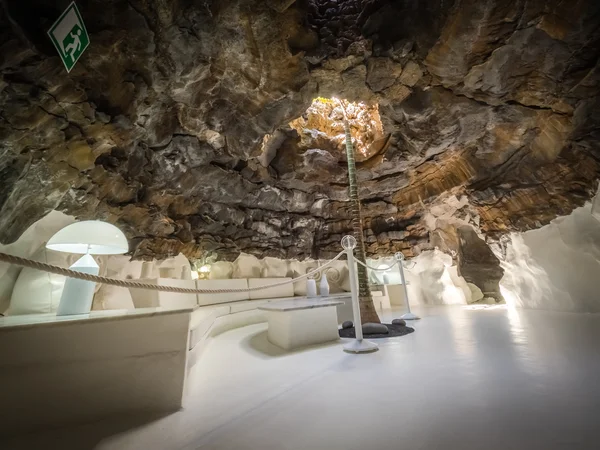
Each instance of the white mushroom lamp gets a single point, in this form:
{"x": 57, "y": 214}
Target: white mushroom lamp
{"x": 90, "y": 237}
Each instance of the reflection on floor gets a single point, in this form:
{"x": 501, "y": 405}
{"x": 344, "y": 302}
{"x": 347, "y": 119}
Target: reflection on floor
{"x": 466, "y": 379}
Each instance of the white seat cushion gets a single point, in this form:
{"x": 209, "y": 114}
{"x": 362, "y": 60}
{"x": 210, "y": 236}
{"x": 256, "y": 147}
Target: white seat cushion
{"x": 202, "y": 320}
{"x": 246, "y": 306}
{"x": 287, "y": 290}
{"x": 246, "y": 266}
{"x": 274, "y": 268}
{"x": 143, "y": 298}
{"x": 37, "y": 292}
{"x": 112, "y": 297}
{"x": 221, "y": 270}
{"x": 207, "y": 299}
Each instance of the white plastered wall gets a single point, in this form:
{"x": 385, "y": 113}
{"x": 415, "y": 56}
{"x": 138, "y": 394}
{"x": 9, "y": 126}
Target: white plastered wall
{"x": 556, "y": 267}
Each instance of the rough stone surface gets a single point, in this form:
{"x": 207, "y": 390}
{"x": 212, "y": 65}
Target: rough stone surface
{"x": 391, "y": 331}
{"x": 174, "y": 125}
{"x": 374, "y": 328}
{"x": 478, "y": 264}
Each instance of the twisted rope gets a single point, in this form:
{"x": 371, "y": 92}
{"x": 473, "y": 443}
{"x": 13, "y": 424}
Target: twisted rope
{"x": 377, "y": 268}
{"x": 24, "y": 262}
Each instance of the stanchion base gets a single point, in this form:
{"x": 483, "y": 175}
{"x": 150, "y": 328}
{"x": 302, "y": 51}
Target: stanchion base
{"x": 410, "y": 316}
{"x": 363, "y": 346}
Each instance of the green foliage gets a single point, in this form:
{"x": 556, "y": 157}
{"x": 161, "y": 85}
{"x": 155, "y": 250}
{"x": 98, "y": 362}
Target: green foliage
{"x": 325, "y": 101}
{"x": 206, "y": 260}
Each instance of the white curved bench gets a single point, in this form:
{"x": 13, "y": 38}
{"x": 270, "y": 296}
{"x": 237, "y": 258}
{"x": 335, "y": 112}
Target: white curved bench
{"x": 214, "y": 314}
{"x": 210, "y": 321}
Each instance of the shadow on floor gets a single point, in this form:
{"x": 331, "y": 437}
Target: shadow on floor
{"x": 259, "y": 345}
{"x": 79, "y": 437}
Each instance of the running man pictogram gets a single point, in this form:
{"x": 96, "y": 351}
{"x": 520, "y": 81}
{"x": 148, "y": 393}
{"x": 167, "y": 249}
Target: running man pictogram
{"x": 69, "y": 36}
{"x": 74, "y": 46}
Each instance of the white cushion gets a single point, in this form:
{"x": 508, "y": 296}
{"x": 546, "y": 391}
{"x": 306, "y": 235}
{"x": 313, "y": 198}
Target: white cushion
{"x": 148, "y": 270}
{"x": 246, "y": 266}
{"x": 298, "y": 268}
{"x": 338, "y": 276}
{"x": 206, "y": 299}
{"x": 143, "y": 298}
{"x": 287, "y": 290}
{"x": 37, "y": 292}
{"x": 171, "y": 267}
{"x": 167, "y": 272}
{"x": 112, "y": 297}
{"x": 26, "y": 246}
{"x": 186, "y": 272}
{"x": 274, "y": 268}
{"x": 221, "y": 270}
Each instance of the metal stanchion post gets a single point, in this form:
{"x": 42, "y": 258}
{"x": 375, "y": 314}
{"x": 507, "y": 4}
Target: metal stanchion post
{"x": 409, "y": 315}
{"x": 359, "y": 345}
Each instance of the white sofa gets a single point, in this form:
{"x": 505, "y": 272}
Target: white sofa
{"x": 216, "y": 313}
{"x": 209, "y": 321}
{"x": 152, "y": 299}
{"x": 211, "y": 318}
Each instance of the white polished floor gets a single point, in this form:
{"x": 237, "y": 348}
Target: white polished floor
{"x": 466, "y": 379}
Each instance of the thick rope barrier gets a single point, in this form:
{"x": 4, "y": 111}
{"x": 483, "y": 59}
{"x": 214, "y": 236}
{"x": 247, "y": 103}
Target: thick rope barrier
{"x": 44, "y": 267}
{"x": 377, "y": 269}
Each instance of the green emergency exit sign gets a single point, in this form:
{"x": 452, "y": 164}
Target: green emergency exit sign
{"x": 69, "y": 36}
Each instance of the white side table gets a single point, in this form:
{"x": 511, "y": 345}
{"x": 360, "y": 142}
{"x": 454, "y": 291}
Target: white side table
{"x": 297, "y": 323}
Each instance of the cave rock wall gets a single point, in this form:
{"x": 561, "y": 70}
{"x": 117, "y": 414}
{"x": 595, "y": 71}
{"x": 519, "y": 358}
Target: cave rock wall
{"x": 160, "y": 126}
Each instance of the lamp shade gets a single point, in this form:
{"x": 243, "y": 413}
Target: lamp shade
{"x": 90, "y": 236}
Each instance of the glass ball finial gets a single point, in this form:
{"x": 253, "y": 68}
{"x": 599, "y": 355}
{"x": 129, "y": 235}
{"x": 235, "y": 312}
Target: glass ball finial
{"x": 348, "y": 242}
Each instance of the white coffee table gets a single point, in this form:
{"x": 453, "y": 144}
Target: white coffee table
{"x": 297, "y": 323}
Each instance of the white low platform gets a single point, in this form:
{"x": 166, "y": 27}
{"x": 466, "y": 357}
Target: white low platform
{"x": 466, "y": 379}
{"x": 298, "y": 323}
{"x": 72, "y": 369}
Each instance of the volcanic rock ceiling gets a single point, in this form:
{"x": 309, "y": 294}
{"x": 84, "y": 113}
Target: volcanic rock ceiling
{"x": 185, "y": 123}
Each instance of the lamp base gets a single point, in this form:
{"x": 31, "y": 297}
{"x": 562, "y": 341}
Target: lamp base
{"x": 77, "y": 294}
{"x": 360, "y": 346}
{"x": 410, "y": 316}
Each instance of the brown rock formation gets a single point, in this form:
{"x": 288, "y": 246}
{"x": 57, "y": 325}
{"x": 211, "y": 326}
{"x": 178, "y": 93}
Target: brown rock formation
{"x": 174, "y": 124}
{"x": 477, "y": 264}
